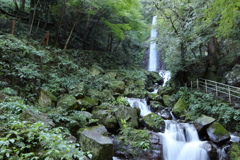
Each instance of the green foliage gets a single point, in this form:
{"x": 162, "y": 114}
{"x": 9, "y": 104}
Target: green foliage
{"x": 235, "y": 151}
{"x": 201, "y": 103}
{"x": 138, "y": 139}
{"x": 37, "y": 141}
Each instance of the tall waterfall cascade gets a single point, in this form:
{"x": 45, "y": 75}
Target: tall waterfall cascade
{"x": 155, "y": 63}
{"x": 153, "y": 54}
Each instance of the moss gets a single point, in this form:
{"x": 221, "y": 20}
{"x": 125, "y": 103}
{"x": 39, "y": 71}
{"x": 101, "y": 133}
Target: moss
{"x": 50, "y": 94}
{"x": 180, "y": 108}
{"x": 122, "y": 100}
{"x": 219, "y": 130}
{"x": 154, "y": 122}
{"x": 234, "y": 152}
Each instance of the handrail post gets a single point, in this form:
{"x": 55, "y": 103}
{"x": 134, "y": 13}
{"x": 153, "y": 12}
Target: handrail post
{"x": 197, "y": 84}
{"x": 206, "y": 85}
{"x": 216, "y": 89}
{"x": 229, "y": 94}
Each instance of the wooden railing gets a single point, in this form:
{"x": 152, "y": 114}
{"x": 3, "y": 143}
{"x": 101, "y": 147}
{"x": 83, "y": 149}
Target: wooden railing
{"x": 230, "y": 92}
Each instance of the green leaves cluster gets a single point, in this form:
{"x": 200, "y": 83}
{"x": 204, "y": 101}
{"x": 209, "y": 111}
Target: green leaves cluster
{"x": 37, "y": 141}
{"x": 200, "y": 103}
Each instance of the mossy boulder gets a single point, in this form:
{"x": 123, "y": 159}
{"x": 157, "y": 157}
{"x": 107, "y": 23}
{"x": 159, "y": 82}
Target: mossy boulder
{"x": 88, "y": 103}
{"x": 46, "y": 98}
{"x": 166, "y": 90}
{"x": 101, "y": 96}
{"x": 112, "y": 74}
{"x": 217, "y": 133}
{"x": 68, "y": 102}
{"x": 95, "y": 141}
{"x": 203, "y": 122}
{"x": 154, "y": 122}
{"x": 96, "y": 70}
{"x": 135, "y": 92}
{"x": 180, "y": 108}
{"x": 117, "y": 87}
{"x": 78, "y": 90}
{"x": 128, "y": 114}
{"x": 9, "y": 91}
{"x": 33, "y": 117}
{"x": 106, "y": 118}
{"x": 234, "y": 152}
{"x": 154, "y": 97}
{"x": 168, "y": 100}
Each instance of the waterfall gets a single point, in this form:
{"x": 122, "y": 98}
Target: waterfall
{"x": 153, "y": 57}
{"x": 141, "y": 104}
{"x": 155, "y": 60}
{"x": 181, "y": 142}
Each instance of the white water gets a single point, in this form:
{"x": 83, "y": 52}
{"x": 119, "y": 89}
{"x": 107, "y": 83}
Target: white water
{"x": 153, "y": 57}
{"x": 166, "y": 75}
{"x": 141, "y": 104}
{"x": 181, "y": 142}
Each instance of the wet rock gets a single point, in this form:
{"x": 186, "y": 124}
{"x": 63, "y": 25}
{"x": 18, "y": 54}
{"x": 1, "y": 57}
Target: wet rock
{"x": 217, "y": 133}
{"x": 180, "y": 108}
{"x": 203, "y": 122}
{"x": 128, "y": 114}
{"x": 68, "y": 102}
{"x": 106, "y": 118}
{"x": 46, "y": 98}
{"x": 154, "y": 122}
{"x": 165, "y": 114}
{"x": 117, "y": 87}
{"x": 93, "y": 140}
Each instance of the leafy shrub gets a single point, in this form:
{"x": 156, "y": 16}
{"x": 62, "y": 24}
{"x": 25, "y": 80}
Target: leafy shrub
{"x": 37, "y": 141}
{"x": 202, "y": 103}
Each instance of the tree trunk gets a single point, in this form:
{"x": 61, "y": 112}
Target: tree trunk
{"x": 69, "y": 37}
{"x": 213, "y": 49}
{"x": 22, "y": 7}
{"x": 12, "y": 26}
{"x": 34, "y": 12}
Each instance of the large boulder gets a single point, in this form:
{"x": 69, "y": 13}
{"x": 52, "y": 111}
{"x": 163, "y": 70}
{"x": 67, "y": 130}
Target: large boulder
{"x": 68, "y": 102}
{"x": 203, "y": 122}
{"x": 88, "y": 103}
{"x": 154, "y": 97}
{"x": 139, "y": 144}
{"x": 217, "y": 133}
{"x": 128, "y": 115}
{"x": 78, "y": 90}
{"x": 101, "y": 96}
{"x": 93, "y": 140}
{"x": 46, "y": 98}
{"x": 135, "y": 92}
{"x": 233, "y": 77}
{"x": 154, "y": 122}
{"x": 180, "y": 108}
{"x": 168, "y": 100}
{"x": 117, "y": 87}
{"x": 32, "y": 116}
{"x": 96, "y": 70}
{"x": 106, "y": 118}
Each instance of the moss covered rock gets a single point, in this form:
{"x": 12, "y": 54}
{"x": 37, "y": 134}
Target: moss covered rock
{"x": 135, "y": 92}
{"x": 93, "y": 140}
{"x": 154, "y": 97}
{"x": 106, "y": 118}
{"x": 203, "y": 122}
{"x": 46, "y": 98}
{"x": 88, "y": 103}
{"x": 217, "y": 133}
{"x": 122, "y": 100}
{"x": 180, "y": 108}
{"x": 117, "y": 87}
{"x": 78, "y": 90}
{"x": 154, "y": 122}
{"x": 96, "y": 70}
{"x": 168, "y": 100}
{"x": 68, "y": 102}
{"x": 101, "y": 96}
{"x": 128, "y": 114}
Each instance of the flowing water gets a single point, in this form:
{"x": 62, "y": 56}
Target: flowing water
{"x": 141, "y": 104}
{"x": 181, "y": 142}
{"x": 153, "y": 54}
